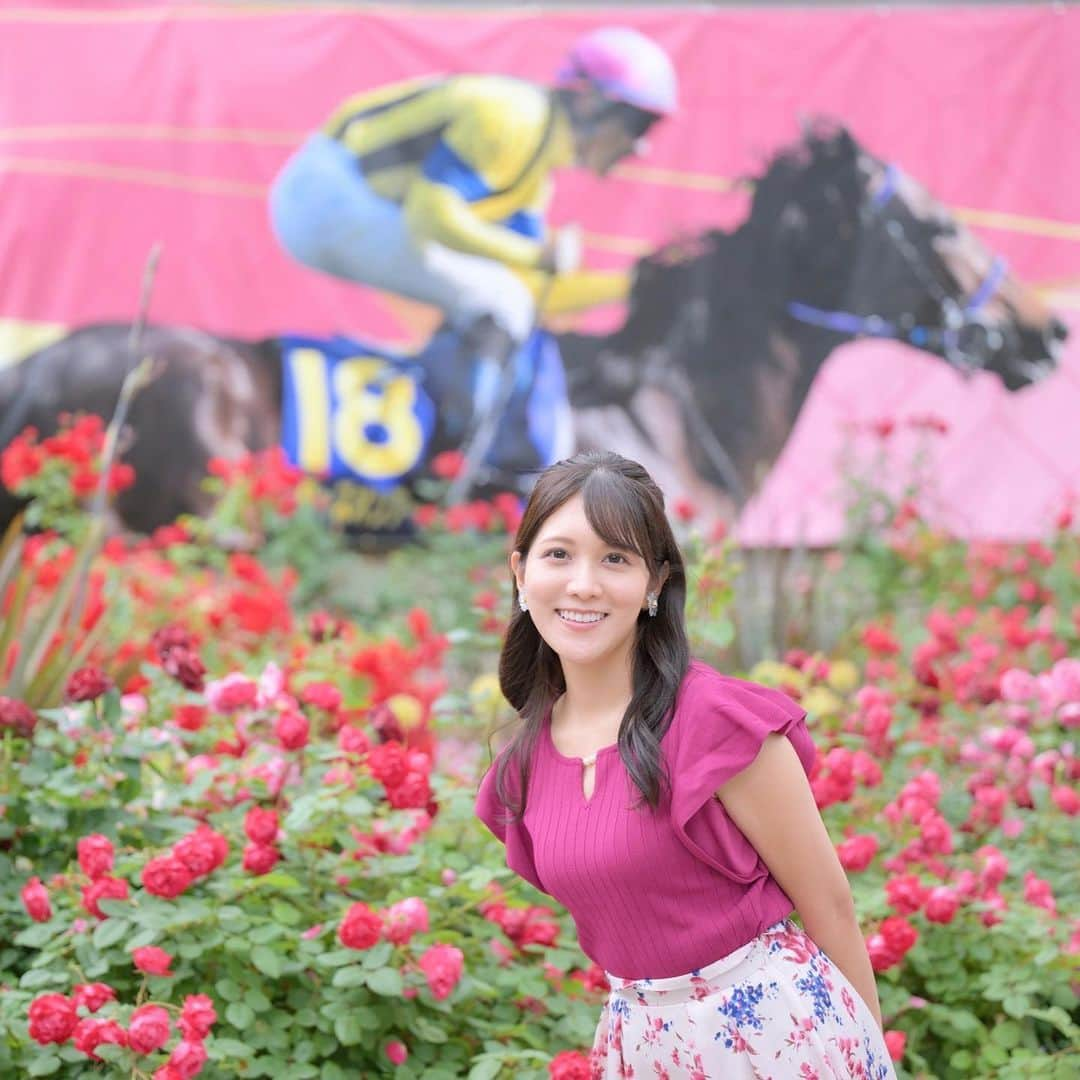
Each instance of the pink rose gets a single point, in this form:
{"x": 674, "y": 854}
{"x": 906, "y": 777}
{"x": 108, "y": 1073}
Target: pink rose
{"x": 405, "y": 918}
{"x": 35, "y": 898}
{"x": 260, "y": 858}
{"x": 857, "y": 852}
{"x": 397, "y": 1052}
{"x": 188, "y": 1058}
{"x": 197, "y": 1017}
{"x": 412, "y": 792}
{"x": 232, "y": 693}
{"x": 293, "y": 730}
{"x": 895, "y": 1041}
{"x": 1018, "y": 685}
{"x": 52, "y": 1019}
{"x": 261, "y": 825}
{"x": 361, "y": 928}
{"x": 442, "y": 965}
{"x": 148, "y": 1029}
{"x": 201, "y": 851}
{"x": 899, "y": 934}
{"x": 323, "y": 695}
{"x": 90, "y": 1033}
{"x": 95, "y": 855}
{"x": 91, "y": 996}
{"x": 17, "y": 716}
{"x": 152, "y": 960}
{"x": 569, "y": 1065}
{"x": 942, "y": 905}
{"x": 105, "y": 888}
{"x": 906, "y": 894}
{"x": 166, "y": 876}
{"x": 387, "y": 763}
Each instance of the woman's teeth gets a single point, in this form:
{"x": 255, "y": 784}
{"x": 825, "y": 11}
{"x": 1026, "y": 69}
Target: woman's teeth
{"x": 582, "y": 617}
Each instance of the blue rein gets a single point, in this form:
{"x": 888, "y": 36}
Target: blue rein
{"x": 847, "y": 322}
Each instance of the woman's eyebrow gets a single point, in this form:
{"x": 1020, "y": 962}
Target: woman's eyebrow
{"x": 556, "y": 540}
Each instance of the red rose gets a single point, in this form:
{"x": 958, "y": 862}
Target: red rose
{"x": 18, "y": 716}
{"x": 87, "y": 684}
{"x": 882, "y": 957}
{"x": 388, "y": 763}
{"x": 351, "y": 740}
{"x": 190, "y": 717}
{"x": 260, "y": 858}
{"x": 185, "y": 667}
{"x": 90, "y": 1033}
{"x": 171, "y": 637}
{"x": 52, "y": 1019}
{"x": 448, "y": 464}
{"x": 412, "y": 792}
{"x": 323, "y": 695}
{"x": 95, "y": 855}
{"x": 895, "y": 1042}
{"x": 105, "y": 888}
{"x": 261, "y": 825}
{"x": 899, "y": 934}
{"x": 197, "y": 1017}
{"x": 361, "y": 928}
{"x": 187, "y": 1059}
{"x": 907, "y": 894}
{"x": 569, "y": 1065}
{"x": 166, "y": 876}
{"x": 152, "y": 960}
{"x": 91, "y": 996}
{"x": 148, "y": 1029}
{"x": 201, "y": 851}
{"x": 35, "y": 898}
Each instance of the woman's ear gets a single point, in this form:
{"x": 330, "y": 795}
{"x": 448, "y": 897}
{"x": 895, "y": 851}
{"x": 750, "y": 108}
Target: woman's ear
{"x": 662, "y": 575}
{"x": 517, "y": 568}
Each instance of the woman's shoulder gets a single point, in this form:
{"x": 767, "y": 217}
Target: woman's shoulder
{"x": 704, "y": 686}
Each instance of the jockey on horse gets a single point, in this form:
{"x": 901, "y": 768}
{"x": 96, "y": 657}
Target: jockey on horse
{"x": 436, "y": 189}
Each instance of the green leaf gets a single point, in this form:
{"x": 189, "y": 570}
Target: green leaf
{"x": 239, "y": 1015}
{"x": 267, "y": 961}
{"x": 110, "y": 932}
{"x": 486, "y": 1068}
{"x": 1007, "y": 1034}
{"x": 230, "y": 1048}
{"x": 257, "y": 1000}
{"x": 386, "y": 981}
{"x": 426, "y": 1030}
{"x": 284, "y": 913}
{"x": 44, "y": 1066}
{"x": 347, "y": 977}
{"x": 348, "y": 1030}
{"x": 229, "y": 990}
{"x": 37, "y": 978}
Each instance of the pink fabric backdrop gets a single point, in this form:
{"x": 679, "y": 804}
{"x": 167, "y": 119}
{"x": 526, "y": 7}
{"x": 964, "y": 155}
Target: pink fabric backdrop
{"x": 124, "y": 125}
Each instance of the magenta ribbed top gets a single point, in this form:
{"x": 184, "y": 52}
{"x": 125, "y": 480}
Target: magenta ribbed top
{"x": 656, "y": 893}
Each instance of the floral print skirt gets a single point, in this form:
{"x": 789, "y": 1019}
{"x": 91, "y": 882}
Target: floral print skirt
{"x": 774, "y": 1009}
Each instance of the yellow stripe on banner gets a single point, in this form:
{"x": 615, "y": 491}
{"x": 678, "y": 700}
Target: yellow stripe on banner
{"x": 994, "y": 219}
{"x": 147, "y": 132}
{"x": 203, "y": 185}
{"x": 692, "y": 181}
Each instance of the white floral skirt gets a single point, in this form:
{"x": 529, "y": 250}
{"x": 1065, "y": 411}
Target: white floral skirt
{"x": 774, "y": 1009}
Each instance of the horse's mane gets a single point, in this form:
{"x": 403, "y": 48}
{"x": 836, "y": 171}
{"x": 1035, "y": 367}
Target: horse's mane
{"x": 796, "y": 242}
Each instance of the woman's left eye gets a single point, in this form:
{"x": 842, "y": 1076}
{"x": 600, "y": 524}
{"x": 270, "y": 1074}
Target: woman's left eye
{"x": 615, "y": 555}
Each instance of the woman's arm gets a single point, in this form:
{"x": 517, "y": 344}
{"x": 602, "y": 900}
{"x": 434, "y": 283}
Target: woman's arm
{"x": 773, "y": 805}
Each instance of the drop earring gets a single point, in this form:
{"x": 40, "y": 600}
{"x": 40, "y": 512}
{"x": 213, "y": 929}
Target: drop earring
{"x": 652, "y": 604}
{"x": 522, "y": 602}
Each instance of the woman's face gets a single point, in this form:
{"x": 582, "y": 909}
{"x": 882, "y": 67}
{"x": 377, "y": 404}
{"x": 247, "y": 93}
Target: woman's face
{"x": 584, "y": 595}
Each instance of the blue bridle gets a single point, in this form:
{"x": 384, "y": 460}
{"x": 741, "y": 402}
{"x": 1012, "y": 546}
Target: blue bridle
{"x": 957, "y": 317}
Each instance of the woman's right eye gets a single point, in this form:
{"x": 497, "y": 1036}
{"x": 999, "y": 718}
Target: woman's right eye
{"x": 555, "y": 553}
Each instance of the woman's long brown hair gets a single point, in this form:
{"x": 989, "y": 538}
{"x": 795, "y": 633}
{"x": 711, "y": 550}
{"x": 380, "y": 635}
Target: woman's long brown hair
{"x": 625, "y": 508}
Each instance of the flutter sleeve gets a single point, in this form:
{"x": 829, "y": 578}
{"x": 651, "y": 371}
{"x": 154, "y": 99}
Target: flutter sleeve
{"x": 490, "y": 810}
{"x": 722, "y": 725}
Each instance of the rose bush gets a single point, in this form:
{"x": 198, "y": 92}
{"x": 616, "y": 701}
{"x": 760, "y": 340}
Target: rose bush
{"x": 240, "y": 842}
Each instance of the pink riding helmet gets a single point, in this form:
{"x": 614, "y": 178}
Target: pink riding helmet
{"x": 625, "y": 66}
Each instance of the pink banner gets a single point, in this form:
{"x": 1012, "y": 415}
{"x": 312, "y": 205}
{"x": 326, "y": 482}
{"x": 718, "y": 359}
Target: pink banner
{"x": 123, "y": 126}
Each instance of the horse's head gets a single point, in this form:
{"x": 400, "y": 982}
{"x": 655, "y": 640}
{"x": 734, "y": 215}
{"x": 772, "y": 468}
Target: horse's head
{"x": 864, "y": 250}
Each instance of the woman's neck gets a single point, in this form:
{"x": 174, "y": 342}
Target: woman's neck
{"x": 596, "y": 693}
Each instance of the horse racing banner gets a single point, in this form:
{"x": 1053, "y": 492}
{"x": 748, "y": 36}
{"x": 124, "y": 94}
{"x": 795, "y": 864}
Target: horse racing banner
{"x": 768, "y": 253}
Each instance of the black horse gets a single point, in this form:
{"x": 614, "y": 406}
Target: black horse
{"x": 704, "y": 381}
{"x": 724, "y": 338}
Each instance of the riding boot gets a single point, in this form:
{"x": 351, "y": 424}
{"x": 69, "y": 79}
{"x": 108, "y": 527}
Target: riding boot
{"x": 492, "y": 351}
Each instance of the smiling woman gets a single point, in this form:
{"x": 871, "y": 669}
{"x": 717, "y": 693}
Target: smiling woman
{"x": 641, "y": 792}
